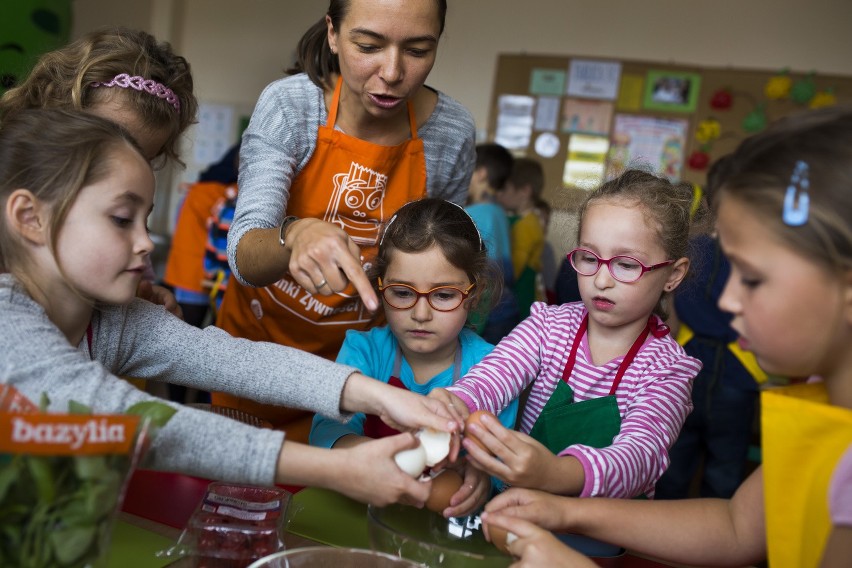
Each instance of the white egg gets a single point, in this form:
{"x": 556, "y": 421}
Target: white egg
{"x": 437, "y": 445}
{"x": 411, "y": 461}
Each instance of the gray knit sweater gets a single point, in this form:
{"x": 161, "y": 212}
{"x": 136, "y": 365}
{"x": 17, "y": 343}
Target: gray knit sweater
{"x": 282, "y": 135}
{"x": 144, "y": 341}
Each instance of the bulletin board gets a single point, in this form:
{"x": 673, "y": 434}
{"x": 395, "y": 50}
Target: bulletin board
{"x": 585, "y": 118}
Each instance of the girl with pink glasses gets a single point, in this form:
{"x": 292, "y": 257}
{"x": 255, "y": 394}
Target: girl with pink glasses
{"x": 609, "y": 388}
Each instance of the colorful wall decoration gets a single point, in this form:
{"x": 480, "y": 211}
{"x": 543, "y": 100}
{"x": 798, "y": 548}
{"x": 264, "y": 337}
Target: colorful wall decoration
{"x": 587, "y": 118}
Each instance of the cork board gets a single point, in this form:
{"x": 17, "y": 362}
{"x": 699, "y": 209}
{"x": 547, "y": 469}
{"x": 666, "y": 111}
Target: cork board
{"x": 578, "y": 109}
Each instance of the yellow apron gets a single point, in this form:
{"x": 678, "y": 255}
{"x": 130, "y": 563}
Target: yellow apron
{"x": 803, "y": 440}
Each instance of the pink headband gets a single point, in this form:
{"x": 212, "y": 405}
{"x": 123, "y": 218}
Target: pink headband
{"x": 125, "y": 81}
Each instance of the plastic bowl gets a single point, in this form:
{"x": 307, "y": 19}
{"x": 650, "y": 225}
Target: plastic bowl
{"x": 431, "y": 540}
{"x": 319, "y": 556}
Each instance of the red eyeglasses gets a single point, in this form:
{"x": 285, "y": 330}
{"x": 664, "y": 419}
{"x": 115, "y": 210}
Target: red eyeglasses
{"x": 442, "y": 298}
{"x": 623, "y": 268}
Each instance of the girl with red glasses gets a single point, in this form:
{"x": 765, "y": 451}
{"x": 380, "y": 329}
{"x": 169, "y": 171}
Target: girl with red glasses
{"x": 431, "y": 271}
{"x": 609, "y": 388}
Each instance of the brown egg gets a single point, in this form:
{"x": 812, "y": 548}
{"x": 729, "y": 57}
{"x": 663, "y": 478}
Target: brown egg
{"x": 498, "y": 538}
{"x": 475, "y": 418}
{"x": 444, "y": 486}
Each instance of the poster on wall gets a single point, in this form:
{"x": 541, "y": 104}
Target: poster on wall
{"x": 651, "y": 143}
{"x": 585, "y": 161}
{"x": 547, "y": 82}
{"x": 593, "y": 79}
{"x": 514, "y": 121}
{"x": 214, "y": 134}
{"x": 630, "y": 93}
{"x": 547, "y": 113}
{"x": 672, "y": 91}
{"x": 586, "y": 117}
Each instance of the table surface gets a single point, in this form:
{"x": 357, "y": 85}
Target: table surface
{"x": 158, "y": 505}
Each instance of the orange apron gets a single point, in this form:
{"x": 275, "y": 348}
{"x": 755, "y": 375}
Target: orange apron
{"x": 803, "y": 440}
{"x": 351, "y": 183}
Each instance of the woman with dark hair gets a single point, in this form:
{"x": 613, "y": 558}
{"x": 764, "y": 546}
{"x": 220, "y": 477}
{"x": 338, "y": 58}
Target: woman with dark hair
{"x": 330, "y": 154}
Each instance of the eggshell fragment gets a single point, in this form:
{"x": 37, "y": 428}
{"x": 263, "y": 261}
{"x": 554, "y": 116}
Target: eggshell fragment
{"x": 501, "y": 538}
{"x": 476, "y": 418}
{"x": 436, "y": 444}
{"x": 411, "y": 461}
{"x": 444, "y": 486}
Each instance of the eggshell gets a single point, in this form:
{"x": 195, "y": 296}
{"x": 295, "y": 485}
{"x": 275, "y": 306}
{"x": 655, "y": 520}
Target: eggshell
{"x": 475, "y": 418}
{"x": 436, "y": 444}
{"x": 444, "y": 486}
{"x": 411, "y": 461}
{"x": 501, "y": 538}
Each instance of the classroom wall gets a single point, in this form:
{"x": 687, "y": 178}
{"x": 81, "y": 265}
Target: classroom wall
{"x": 236, "y": 47}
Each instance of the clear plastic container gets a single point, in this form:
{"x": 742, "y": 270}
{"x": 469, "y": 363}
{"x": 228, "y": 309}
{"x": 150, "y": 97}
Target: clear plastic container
{"x": 234, "y": 525}
{"x": 314, "y": 557}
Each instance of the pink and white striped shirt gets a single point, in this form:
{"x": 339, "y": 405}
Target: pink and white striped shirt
{"x": 654, "y": 397}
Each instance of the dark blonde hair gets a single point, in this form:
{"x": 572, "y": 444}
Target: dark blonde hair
{"x": 666, "y": 205}
{"x": 52, "y": 153}
{"x": 63, "y": 78}
{"x": 313, "y": 54}
{"x": 420, "y": 225}
{"x": 759, "y": 171}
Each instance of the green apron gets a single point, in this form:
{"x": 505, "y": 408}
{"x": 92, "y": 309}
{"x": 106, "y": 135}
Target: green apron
{"x": 595, "y": 422}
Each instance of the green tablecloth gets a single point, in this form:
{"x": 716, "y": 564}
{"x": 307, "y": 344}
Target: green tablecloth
{"x": 135, "y": 547}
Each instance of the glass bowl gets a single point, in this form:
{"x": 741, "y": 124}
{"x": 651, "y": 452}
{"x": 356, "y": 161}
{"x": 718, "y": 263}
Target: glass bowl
{"x": 431, "y": 540}
{"x": 319, "y": 556}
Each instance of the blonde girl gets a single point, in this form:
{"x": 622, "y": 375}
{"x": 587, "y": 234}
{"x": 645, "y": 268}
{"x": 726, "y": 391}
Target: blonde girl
{"x": 784, "y": 208}
{"x": 609, "y": 388}
{"x": 76, "y": 191}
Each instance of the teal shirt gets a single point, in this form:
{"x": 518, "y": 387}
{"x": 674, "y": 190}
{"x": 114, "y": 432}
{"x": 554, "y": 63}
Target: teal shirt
{"x": 372, "y": 352}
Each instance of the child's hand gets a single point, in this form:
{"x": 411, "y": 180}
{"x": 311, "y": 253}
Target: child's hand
{"x": 471, "y": 495}
{"x": 458, "y": 409}
{"x": 373, "y": 477}
{"x": 160, "y": 296}
{"x": 515, "y": 458}
{"x": 398, "y": 408}
{"x": 535, "y": 546}
{"x": 538, "y": 507}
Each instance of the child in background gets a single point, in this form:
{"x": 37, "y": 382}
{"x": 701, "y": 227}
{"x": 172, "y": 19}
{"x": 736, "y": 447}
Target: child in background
{"x": 493, "y": 166}
{"x": 185, "y": 266}
{"x": 431, "y": 271}
{"x": 71, "y": 322}
{"x": 546, "y": 278}
{"x": 123, "y": 75}
{"x": 518, "y": 197}
{"x": 610, "y": 387}
{"x": 784, "y": 210}
{"x": 715, "y": 439}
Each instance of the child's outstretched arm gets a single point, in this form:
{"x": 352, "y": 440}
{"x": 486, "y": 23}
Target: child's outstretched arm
{"x": 366, "y": 472}
{"x": 520, "y": 460}
{"x": 398, "y": 408}
{"x": 705, "y": 532}
{"x": 838, "y": 549}
{"x": 535, "y": 546}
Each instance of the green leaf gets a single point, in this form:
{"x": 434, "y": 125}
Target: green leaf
{"x": 42, "y": 476}
{"x": 71, "y": 543}
{"x": 157, "y": 412}
{"x": 8, "y": 476}
{"x": 75, "y": 407}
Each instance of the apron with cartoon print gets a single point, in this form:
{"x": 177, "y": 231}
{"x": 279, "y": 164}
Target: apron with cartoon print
{"x": 373, "y": 425}
{"x": 595, "y": 422}
{"x": 356, "y": 185}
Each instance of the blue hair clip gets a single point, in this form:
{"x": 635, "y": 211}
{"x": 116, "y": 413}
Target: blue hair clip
{"x": 796, "y": 200}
